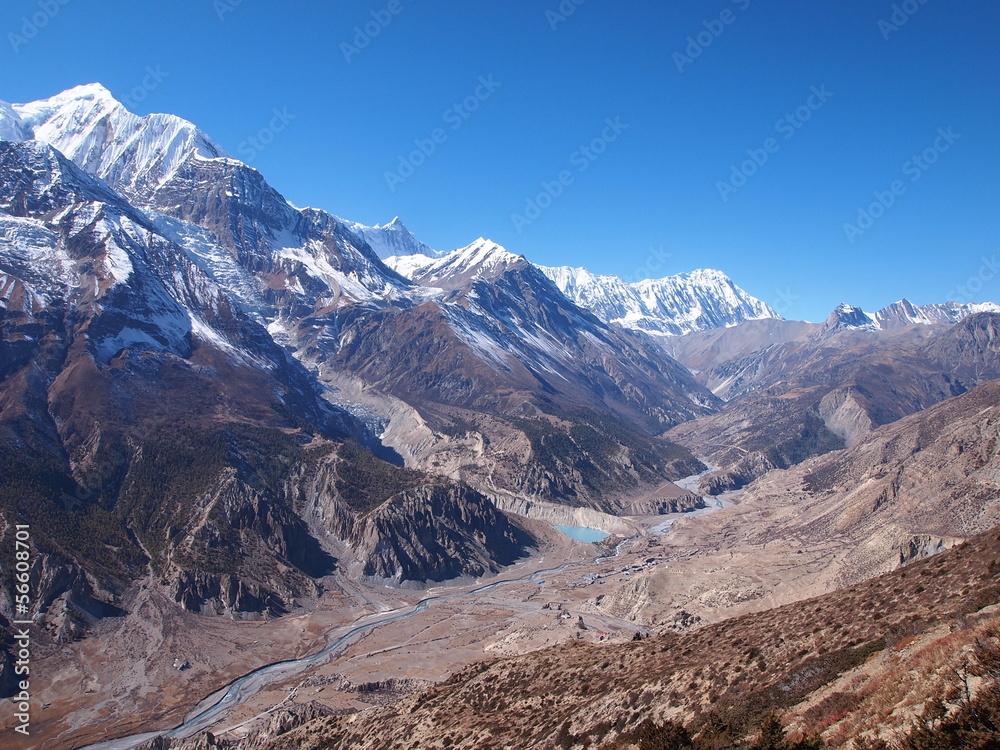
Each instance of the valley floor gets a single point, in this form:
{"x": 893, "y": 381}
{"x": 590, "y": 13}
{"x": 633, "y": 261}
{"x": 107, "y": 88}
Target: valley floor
{"x": 705, "y": 568}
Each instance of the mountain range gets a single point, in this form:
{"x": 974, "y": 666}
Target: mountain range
{"x": 150, "y": 280}
{"x": 242, "y": 406}
{"x": 163, "y": 307}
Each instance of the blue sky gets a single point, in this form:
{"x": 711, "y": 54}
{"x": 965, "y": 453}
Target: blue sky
{"x": 654, "y": 195}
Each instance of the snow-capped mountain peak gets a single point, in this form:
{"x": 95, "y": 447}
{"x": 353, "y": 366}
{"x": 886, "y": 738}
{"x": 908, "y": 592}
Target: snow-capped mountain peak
{"x": 482, "y": 259}
{"x": 851, "y": 318}
{"x": 391, "y": 240}
{"x": 675, "y": 305}
{"x": 85, "y": 91}
{"x": 905, "y": 313}
{"x": 94, "y": 130}
{"x": 483, "y": 254}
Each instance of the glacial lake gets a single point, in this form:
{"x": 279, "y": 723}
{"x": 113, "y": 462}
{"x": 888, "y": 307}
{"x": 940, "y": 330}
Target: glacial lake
{"x": 584, "y": 534}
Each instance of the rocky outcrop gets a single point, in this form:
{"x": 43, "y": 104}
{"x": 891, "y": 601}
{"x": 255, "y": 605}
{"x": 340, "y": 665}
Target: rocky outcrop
{"x": 561, "y": 515}
{"x": 279, "y": 723}
{"x": 70, "y": 598}
{"x": 208, "y": 593}
{"x": 663, "y": 506}
{"x": 925, "y": 545}
{"x": 845, "y": 416}
{"x": 435, "y": 533}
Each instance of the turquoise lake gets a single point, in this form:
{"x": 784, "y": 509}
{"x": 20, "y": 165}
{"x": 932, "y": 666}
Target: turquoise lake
{"x": 583, "y": 534}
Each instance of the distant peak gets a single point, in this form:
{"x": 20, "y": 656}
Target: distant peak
{"x": 851, "y": 317}
{"x": 390, "y": 240}
{"x": 94, "y": 89}
{"x": 699, "y": 300}
{"x": 484, "y": 247}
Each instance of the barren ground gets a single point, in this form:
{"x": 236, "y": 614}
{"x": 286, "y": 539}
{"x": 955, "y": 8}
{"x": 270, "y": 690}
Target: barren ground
{"x": 705, "y": 568}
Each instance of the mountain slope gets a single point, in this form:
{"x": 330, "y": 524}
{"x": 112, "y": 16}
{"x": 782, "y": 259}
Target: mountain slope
{"x": 499, "y": 340}
{"x": 857, "y": 662}
{"x": 320, "y": 289}
{"x": 702, "y": 351}
{"x": 905, "y": 489}
{"x": 801, "y": 398}
{"x": 151, "y": 430}
{"x": 501, "y": 304}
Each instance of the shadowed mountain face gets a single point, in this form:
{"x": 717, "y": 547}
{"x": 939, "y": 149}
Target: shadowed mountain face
{"x": 830, "y": 388}
{"x": 150, "y": 426}
{"x": 183, "y": 352}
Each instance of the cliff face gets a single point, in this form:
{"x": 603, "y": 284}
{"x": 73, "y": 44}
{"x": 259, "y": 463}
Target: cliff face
{"x": 436, "y": 533}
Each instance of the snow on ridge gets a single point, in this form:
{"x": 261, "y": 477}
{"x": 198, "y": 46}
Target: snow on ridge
{"x": 694, "y": 301}
{"x": 390, "y": 240}
{"x": 95, "y": 131}
{"x": 904, "y": 312}
{"x": 480, "y": 259}
{"x": 11, "y": 126}
{"x": 409, "y": 266}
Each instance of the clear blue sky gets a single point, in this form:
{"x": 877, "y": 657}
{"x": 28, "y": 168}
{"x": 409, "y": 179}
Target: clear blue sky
{"x": 655, "y": 186}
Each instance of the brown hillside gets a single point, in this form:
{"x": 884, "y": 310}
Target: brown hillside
{"x": 841, "y": 663}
